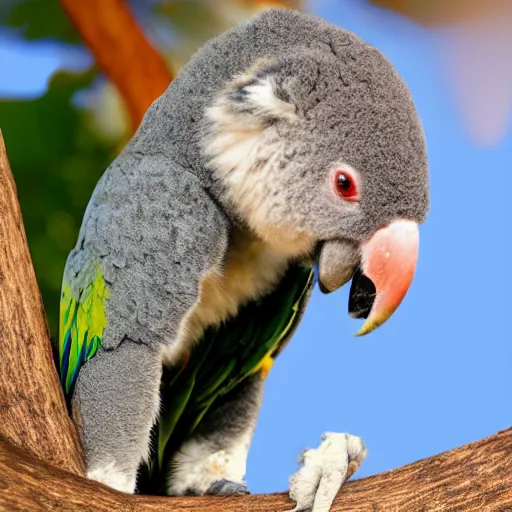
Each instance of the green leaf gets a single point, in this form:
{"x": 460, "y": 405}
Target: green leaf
{"x": 39, "y": 19}
{"x": 192, "y": 18}
{"x": 57, "y": 160}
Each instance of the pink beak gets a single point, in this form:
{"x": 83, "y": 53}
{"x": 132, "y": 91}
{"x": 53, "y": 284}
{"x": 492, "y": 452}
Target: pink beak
{"x": 389, "y": 260}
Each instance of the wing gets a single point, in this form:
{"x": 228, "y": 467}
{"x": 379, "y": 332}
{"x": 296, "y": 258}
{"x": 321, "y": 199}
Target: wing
{"x": 149, "y": 235}
{"x": 82, "y": 321}
{"x": 223, "y": 358}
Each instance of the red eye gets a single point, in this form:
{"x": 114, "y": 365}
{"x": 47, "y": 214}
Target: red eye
{"x": 346, "y": 186}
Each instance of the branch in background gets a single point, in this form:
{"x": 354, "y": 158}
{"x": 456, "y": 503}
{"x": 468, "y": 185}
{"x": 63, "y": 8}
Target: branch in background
{"x": 122, "y": 51}
{"x": 33, "y": 414}
{"x": 120, "y": 48}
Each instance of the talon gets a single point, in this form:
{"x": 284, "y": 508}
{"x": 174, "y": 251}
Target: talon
{"x": 357, "y": 450}
{"x": 227, "y": 488}
{"x": 325, "y": 469}
{"x": 353, "y": 466}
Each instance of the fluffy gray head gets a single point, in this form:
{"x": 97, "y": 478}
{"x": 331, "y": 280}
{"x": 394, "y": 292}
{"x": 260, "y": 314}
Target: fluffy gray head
{"x": 266, "y": 113}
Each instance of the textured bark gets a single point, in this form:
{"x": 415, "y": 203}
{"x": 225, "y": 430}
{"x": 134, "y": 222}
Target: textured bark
{"x": 122, "y": 51}
{"x": 32, "y": 410}
{"x": 41, "y": 460}
{"x": 474, "y": 478}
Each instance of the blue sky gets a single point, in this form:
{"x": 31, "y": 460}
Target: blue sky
{"x": 437, "y": 375}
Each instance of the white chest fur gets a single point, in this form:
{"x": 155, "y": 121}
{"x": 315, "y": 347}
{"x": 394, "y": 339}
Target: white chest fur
{"x": 251, "y": 269}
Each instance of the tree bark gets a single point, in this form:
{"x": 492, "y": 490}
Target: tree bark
{"x": 41, "y": 461}
{"x": 122, "y": 51}
{"x": 33, "y": 415}
{"x": 474, "y": 478}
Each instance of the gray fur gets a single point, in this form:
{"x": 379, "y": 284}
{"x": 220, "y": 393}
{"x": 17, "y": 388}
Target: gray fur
{"x": 115, "y": 404}
{"x": 155, "y": 232}
{"x": 234, "y": 415}
{"x": 227, "y": 488}
{"x": 353, "y": 105}
{"x": 232, "y": 419}
{"x": 160, "y": 218}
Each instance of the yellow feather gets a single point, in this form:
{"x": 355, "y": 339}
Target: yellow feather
{"x": 266, "y": 365}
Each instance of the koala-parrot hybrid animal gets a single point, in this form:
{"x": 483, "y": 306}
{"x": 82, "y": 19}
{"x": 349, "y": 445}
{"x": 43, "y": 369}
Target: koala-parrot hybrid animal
{"x": 286, "y": 150}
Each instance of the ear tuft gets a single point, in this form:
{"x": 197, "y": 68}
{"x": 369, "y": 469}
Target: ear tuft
{"x": 262, "y": 97}
{"x": 237, "y": 141}
{"x": 256, "y": 98}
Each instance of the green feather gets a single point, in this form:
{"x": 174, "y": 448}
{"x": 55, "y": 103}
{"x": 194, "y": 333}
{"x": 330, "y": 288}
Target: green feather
{"x": 169, "y": 418}
{"x": 222, "y": 359}
{"x": 82, "y": 321}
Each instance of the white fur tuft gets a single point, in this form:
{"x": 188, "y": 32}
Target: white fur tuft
{"x": 325, "y": 469}
{"x": 244, "y": 151}
{"x": 197, "y": 467}
{"x": 113, "y": 477}
{"x": 262, "y": 95}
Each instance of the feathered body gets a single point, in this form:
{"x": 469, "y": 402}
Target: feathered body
{"x": 194, "y": 261}
{"x": 244, "y": 345}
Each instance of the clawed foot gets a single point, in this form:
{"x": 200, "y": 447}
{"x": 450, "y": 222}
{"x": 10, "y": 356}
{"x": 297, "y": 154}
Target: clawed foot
{"x": 325, "y": 469}
{"x": 227, "y": 488}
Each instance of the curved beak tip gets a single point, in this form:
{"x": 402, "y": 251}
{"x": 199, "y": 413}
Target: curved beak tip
{"x": 371, "y": 324}
{"x": 365, "y": 329}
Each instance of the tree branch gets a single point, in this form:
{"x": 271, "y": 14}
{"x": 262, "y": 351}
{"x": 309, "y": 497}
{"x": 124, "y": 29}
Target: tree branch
{"x": 33, "y": 415}
{"x": 474, "y": 478}
{"x": 41, "y": 460}
{"x": 122, "y": 51}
